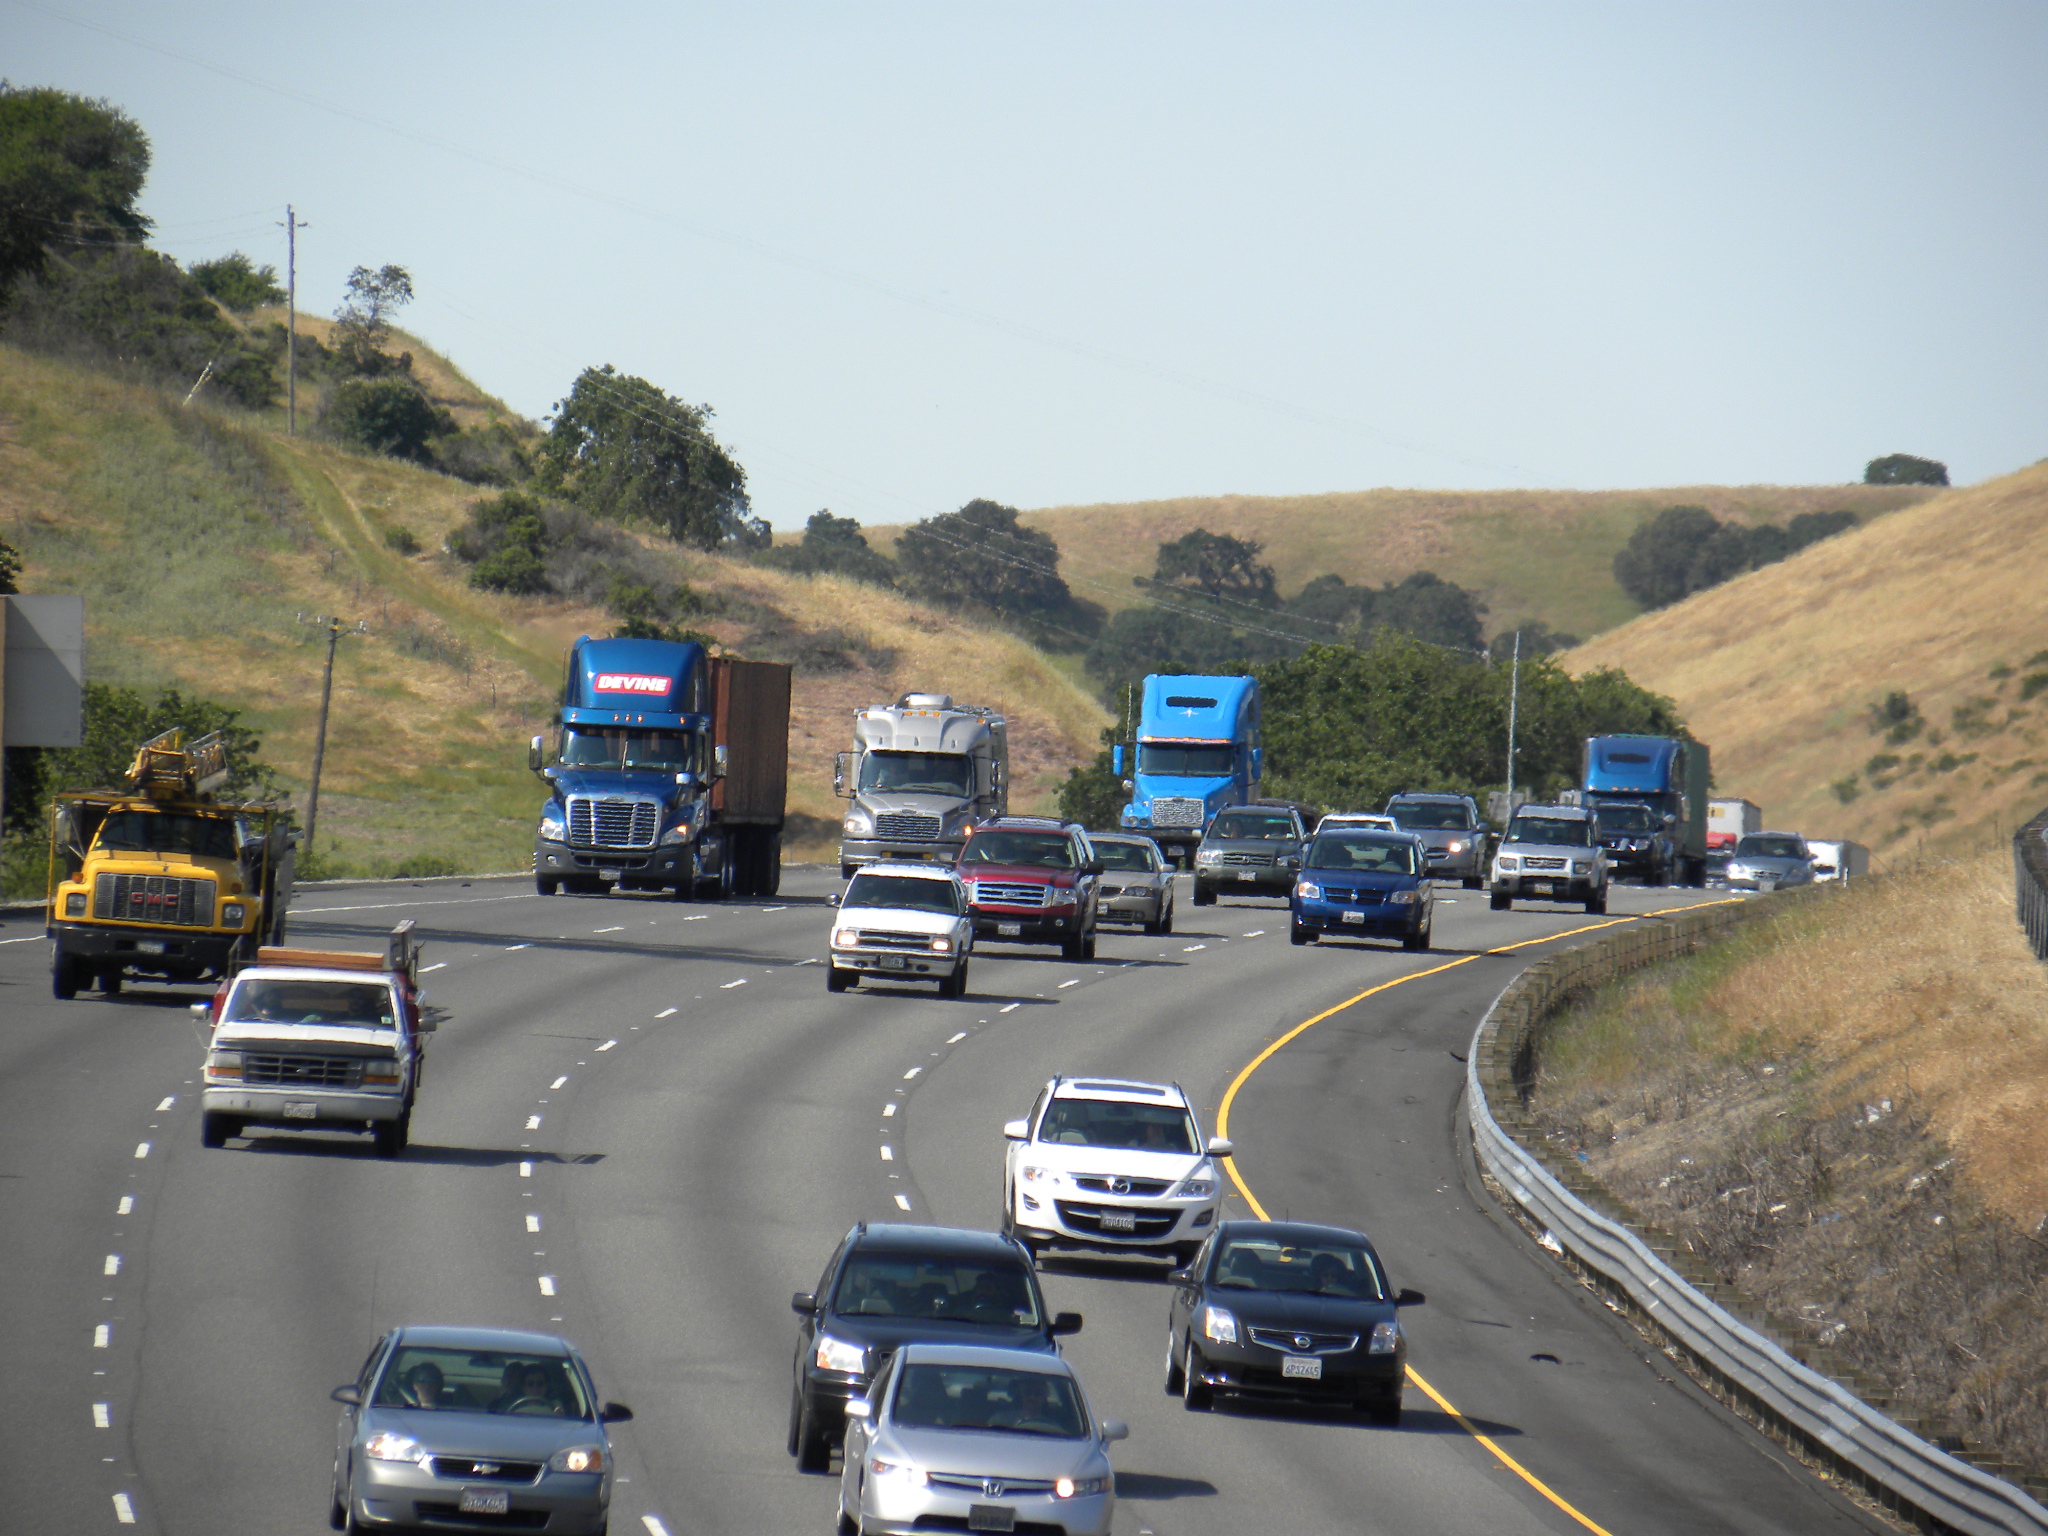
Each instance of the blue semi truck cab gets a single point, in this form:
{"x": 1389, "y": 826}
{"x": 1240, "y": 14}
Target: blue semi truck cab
{"x": 1198, "y": 750}
{"x": 1650, "y": 795}
{"x": 668, "y": 771}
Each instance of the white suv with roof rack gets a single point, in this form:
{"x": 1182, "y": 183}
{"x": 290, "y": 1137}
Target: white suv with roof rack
{"x": 1111, "y": 1165}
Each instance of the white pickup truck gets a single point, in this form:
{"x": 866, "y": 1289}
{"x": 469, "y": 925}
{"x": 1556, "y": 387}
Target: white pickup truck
{"x": 318, "y": 1040}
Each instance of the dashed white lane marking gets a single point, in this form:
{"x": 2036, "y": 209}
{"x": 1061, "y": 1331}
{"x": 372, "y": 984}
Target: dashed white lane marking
{"x": 124, "y": 1509}
{"x": 547, "y": 1285}
{"x": 1256, "y": 933}
{"x": 436, "y": 966}
{"x": 102, "y": 1415}
{"x": 665, "y": 1013}
{"x": 1066, "y": 984}
{"x": 775, "y": 909}
{"x": 167, "y": 1103}
{"x": 888, "y": 1154}
{"x": 142, "y": 1149}
{"x": 113, "y": 1264}
{"x": 557, "y": 1083}
{"x": 1012, "y": 1008}
{"x": 34, "y": 938}
{"x": 615, "y": 928}
{"x": 903, "y": 1201}
{"x": 888, "y": 1110}
{"x": 102, "y": 1336}
{"x": 956, "y": 1039}
{"x": 1189, "y": 949}
{"x": 533, "y": 1122}
{"x": 728, "y": 986}
{"x": 813, "y": 960}
{"x": 532, "y": 1222}
{"x": 126, "y": 1207}
{"x": 510, "y": 947}
{"x": 526, "y": 1170}
{"x": 654, "y": 1525}
{"x": 912, "y": 1073}
{"x": 698, "y": 918}
{"x": 608, "y": 1045}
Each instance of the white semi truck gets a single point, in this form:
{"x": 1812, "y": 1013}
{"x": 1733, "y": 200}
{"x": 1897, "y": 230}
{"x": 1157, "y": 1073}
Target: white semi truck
{"x": 924, "y": 772}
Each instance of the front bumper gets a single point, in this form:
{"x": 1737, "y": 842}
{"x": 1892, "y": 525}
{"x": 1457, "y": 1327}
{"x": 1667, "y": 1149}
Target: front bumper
{"x": 1384, "y": 919}
{"x": 1076, "y": 1219}
{"x": 395, "y": 1494}
{"x": 1464, "y": 865}
{"x": 901, "y": 963}
{"x": 1255, "y": 1371}
{"x": 184, "y": 955}
{"x": 273, "y": 1106}
{"x": 1245, "y": 879}
{"x": 640, "y": 866}
{"x": 873, "y": 850}
{"x": 1546, "y": 885}
{"x": 897, "y": 1507}
{"x": 1143, "y": 907}
{"x": 1028, "y": 925}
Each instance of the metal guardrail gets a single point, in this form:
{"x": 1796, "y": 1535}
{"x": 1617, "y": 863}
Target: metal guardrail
{"x": 2030, "y": 872}
{"x": 1888, "y": 1458}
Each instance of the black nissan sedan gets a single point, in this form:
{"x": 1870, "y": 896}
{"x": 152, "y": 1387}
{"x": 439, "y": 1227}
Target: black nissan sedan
{"x": 1287, "y": 1309}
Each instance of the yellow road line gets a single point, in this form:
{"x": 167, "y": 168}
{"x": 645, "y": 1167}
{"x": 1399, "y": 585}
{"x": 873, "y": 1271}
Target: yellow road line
{"x": 1230, "y": 1164}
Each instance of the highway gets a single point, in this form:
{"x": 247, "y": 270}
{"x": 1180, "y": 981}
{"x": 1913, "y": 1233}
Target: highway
{"x": 646, "y": 1123}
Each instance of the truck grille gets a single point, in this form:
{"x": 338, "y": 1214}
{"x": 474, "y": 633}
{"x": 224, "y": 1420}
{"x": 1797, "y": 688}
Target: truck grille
{"x": 1177, "y": 812}
{"x": 613, "y": 823}
{"x": 1007, "y": 893}
{"x": 154, "y": 899}
{"x": 907, "y": 827}
{"x": 279, "y": 1071}
{"x": 1287, "y": 1341}
{"x": 1260, "y": 860}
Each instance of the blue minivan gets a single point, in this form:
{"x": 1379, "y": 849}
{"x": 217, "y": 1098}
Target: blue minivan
{"x": 1362, "y": 882}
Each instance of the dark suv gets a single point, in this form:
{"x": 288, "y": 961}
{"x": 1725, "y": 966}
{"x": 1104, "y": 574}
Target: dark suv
{"x": 1032, "y": 880}
{"x": 1451, "y": 828}
{"x": 889, "y": 1284}
{"x": 1250, "y": 850}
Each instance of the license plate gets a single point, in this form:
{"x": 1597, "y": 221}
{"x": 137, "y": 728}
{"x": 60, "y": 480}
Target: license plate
{"x": 1301, "y": 1367}
{"x": 610, "y": 874}
{"x": 1539, "y": 888}
{"x": 894, "y": 962}
{"x": 301, "y": 1111}
{"x": 991, "y": 1517}
{"x": 149, "y": 946}
{"x": 1247, "y": 874}
{"x": 486, "y": 1501}
{"x": 1354, "y": 917}
{"x": 1008, "y": 931}
{"x": 1119, "y": 1221}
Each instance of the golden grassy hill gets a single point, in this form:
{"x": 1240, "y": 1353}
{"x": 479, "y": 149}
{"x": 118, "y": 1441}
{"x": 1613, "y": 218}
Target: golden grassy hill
{"x": 1531, "y": 555}
{"x": 1777, "y": 672}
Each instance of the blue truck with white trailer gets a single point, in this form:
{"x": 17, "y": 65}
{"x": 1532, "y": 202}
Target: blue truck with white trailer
{"x": 669, "y": 771}
{"x": 1650, "y": 795}
{"x": 1198, "y": 751}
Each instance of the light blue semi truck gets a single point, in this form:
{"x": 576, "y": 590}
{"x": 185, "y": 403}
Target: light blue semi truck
{"x": 1198, "y": 750}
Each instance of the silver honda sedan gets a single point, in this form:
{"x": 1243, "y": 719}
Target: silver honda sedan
{"x": 473, "y": 1429}
{"x": 976, "y": 1439}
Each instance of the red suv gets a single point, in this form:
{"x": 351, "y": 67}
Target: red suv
{"x": 1032, "y": 880}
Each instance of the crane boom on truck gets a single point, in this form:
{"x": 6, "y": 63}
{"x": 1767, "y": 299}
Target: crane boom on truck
{"x": 160, "y": 879}
{"x": 924, "y": 773}
{"x": 669, "y": 771}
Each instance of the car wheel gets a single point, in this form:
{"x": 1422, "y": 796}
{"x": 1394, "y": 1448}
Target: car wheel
{"x": 215, "y": 1129}
{"x": 1473, "y": 882}
{"x": 1175, "y": 1381}
{"x": 1298, "y": 933}
{"x": 950, "y": 986}
{"x": 1501, "y": 901}
{"x": 1385, "y": 1411}
{"x": 1195, "y": 1394}
{"x": 547, "y": 885}
{"x": 1597, "y": 903}
{"x": 846, "y": 871}
{"x": 1166, "y": 918}
{"x": 1205, "y": 896}
{"x": 1418, "y": 939}
{"x": 389, "y": 1136}
{"x": 1070, "y": 949}
{"x": 796, "y": 1416}
{"x": 1088, "y": 945}
{"x": 813, "y": 1450}
{"x": 837, "y": 980}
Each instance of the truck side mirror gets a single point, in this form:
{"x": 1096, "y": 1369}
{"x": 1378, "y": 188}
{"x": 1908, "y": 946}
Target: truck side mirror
{"x": 996, "y": 775}
{"x": 842, "y": 771}
{"x": 720, "y": 756}
{"x": 1258, "y": 763}
{"x": 533, "y": 754}
{"x": 1116, "y": 761}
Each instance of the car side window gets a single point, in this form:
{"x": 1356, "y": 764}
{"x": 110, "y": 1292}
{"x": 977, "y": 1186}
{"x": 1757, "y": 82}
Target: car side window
{"x": 1038, "y": 1109}
{"x": 370, "y": 1364}
{"x": 824, "y": 1291}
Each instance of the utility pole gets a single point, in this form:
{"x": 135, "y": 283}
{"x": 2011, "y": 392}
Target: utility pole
{"x": 1514, "y": 701}
{"x": 334, "y": 633}
{"x": 292, "y": 226}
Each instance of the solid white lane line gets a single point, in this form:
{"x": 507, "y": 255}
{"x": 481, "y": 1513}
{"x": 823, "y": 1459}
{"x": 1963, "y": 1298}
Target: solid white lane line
{"x": 126, "y": 1207}
{"x": 912, "y": 1073}
{"x": 167, "y": 1103}
{"x": 526, "y": 1170}
{"x": 34, "y": 938}
{"x": 728, "y": 986}
{"x": 547, "y": 1285}
{"x": 557, "y": 1083}
{"x": 142, "y": 1149}
{"x": 113, "y": 1264}
{"x": 654, "y": 1525}
{"x": 956, "y": 1039}
{"x": 608, "y": 1045}
{"x": 1013, "y": 1007}
{"x": 904, "y": 1201}
{"x": 102, "y": 1416}
{"x": 532, "y": 1222}
{"x": 888, "y": 1110}
{"x": 102, "y": 1336}
{"x": 1066, "y": 984}
{"x": 888, "y": 1154}
{"x": 124, "y": 1509}
{"x": 438, "y": 965}
{"x": 665, "y": 1013}
{"x": 533, "y": 1122}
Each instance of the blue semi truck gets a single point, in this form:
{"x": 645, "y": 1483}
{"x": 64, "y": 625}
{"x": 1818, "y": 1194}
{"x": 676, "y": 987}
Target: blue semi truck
{"x": 1198, "y": 750}
{"x": 668, "y": 772}
{"x": 1650, "y": 794}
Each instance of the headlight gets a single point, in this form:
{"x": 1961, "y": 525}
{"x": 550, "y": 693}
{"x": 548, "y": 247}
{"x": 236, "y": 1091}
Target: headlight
{"x": 1386, "y": 1338}
{"x": 380, "y": 1074}
{"x": 1454, "y": 846}
{"x": 1738, "y": 872}
{"x": 386, "y": 1446}
{"x": 838, "y": 1355}
{"x": 1507, "y": 861}
{"x": 845, "y": 938}
{"x": 1059, "y": 896}
{"x": 553, "y": 828}
{"x": 680, "y": 833}
{"x": 1308, "y": 890}
{"x": 233, "y": 915}
{"x": 1582, "y": 866}
{"x": 858, "y": 824}
{"x": 1209, "y": 856}
{"x": 941, "y": 944}
{"x": 1078, "y": 1487}
{"x": 1196, "y": 1186}
{"x": 1220, "y": 1324}
{"x": 578, "y": 1458}
{"x": 1290, "y": 861}
{"x": 903, "y": 1470}
{"x": 224, "y": 1067}
{"x": 74, "y": 904}
{"x": 1401, "y": 898}
{"x": 1033, "y": 1174}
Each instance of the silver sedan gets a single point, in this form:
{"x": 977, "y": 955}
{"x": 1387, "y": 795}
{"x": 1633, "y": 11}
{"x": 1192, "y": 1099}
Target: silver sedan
{"x": 473, "y": 1429}
{"x": 1136, "y": 884}
{"x": 960, "y": 1438}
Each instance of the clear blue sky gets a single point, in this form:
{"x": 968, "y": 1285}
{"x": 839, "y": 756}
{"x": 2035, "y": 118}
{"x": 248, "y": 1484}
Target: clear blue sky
{"x": 1052, "y": 253}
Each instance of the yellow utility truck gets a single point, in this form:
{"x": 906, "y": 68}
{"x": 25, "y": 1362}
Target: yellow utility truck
{"x": 161, "y": 880}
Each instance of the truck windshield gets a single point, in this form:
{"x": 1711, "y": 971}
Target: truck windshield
{"x": 205, "y": 837}
{"x": 366, "y": 1005}
{"x": 1629, "y": 818}
{"x": 1203, "y": 760}
{"x": 1570, "y": 832}
{"x": 917, "y": 773}
{"x": 616, "y": 747}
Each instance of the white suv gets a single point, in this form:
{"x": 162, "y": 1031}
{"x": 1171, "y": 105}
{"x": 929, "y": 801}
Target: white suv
{"x": 1107, "y": 1164}
{"x": 899, "y": 921}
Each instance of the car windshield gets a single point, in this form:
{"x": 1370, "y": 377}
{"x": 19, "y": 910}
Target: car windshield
{"x": 985, "y": 1398}
{"x": 906, "y": 892}
{"x": 1040, "y": 850}
{"x": 1249, "y": 824}
{"x": 526, "y": 1383}
{"x": 1569, "y": 831}
{"x": 1433, "y": 816}
{"x": 268, "y": 1000}
{"x": 1200, "y": 761}
{"x": 1309, "y": 1269}
{"x": 1629, "y": 818}
{"x": 1769, "y": 848}
{"x": 920, "y": 773}
{"x": 595, "y": 747}
{"x": 1333, "y": 822}
{"x": 1361, "y": 853}
{"x": 1138, "y": 856}
{"x": 936, "y": 1289}
{"x": 205, "y": 837}
{"x": 1116, "y": 1123}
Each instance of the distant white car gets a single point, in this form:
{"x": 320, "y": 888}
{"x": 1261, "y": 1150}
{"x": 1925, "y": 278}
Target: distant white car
{"x": 1338, "y": 819}
{"x": 1109, "y": 1164}
{"x": 899, "y": 921}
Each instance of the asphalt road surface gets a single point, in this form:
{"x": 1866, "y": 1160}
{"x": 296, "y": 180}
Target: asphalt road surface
{"x": 646, "y": 1123}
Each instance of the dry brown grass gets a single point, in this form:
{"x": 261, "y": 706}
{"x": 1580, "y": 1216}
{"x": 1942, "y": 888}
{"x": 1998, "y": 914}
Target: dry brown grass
{"x": 1775, "y": 670}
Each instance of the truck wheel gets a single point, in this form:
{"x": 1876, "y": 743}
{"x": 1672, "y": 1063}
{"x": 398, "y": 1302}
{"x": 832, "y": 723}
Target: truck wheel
{"x": 1071, "y": 949}
{"x": 391, "y": 1136}
{"x": 846, "y": 870}
{"x": 64, "y": 977}
{"x": 1205, "y": 895}
{"x": 1501, "y": 901}
{"x": 110, "y": 981}
{"x": 215, "y": 1129}
{"x": 547, "y": 885}
{"x": 771, "y": 873}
